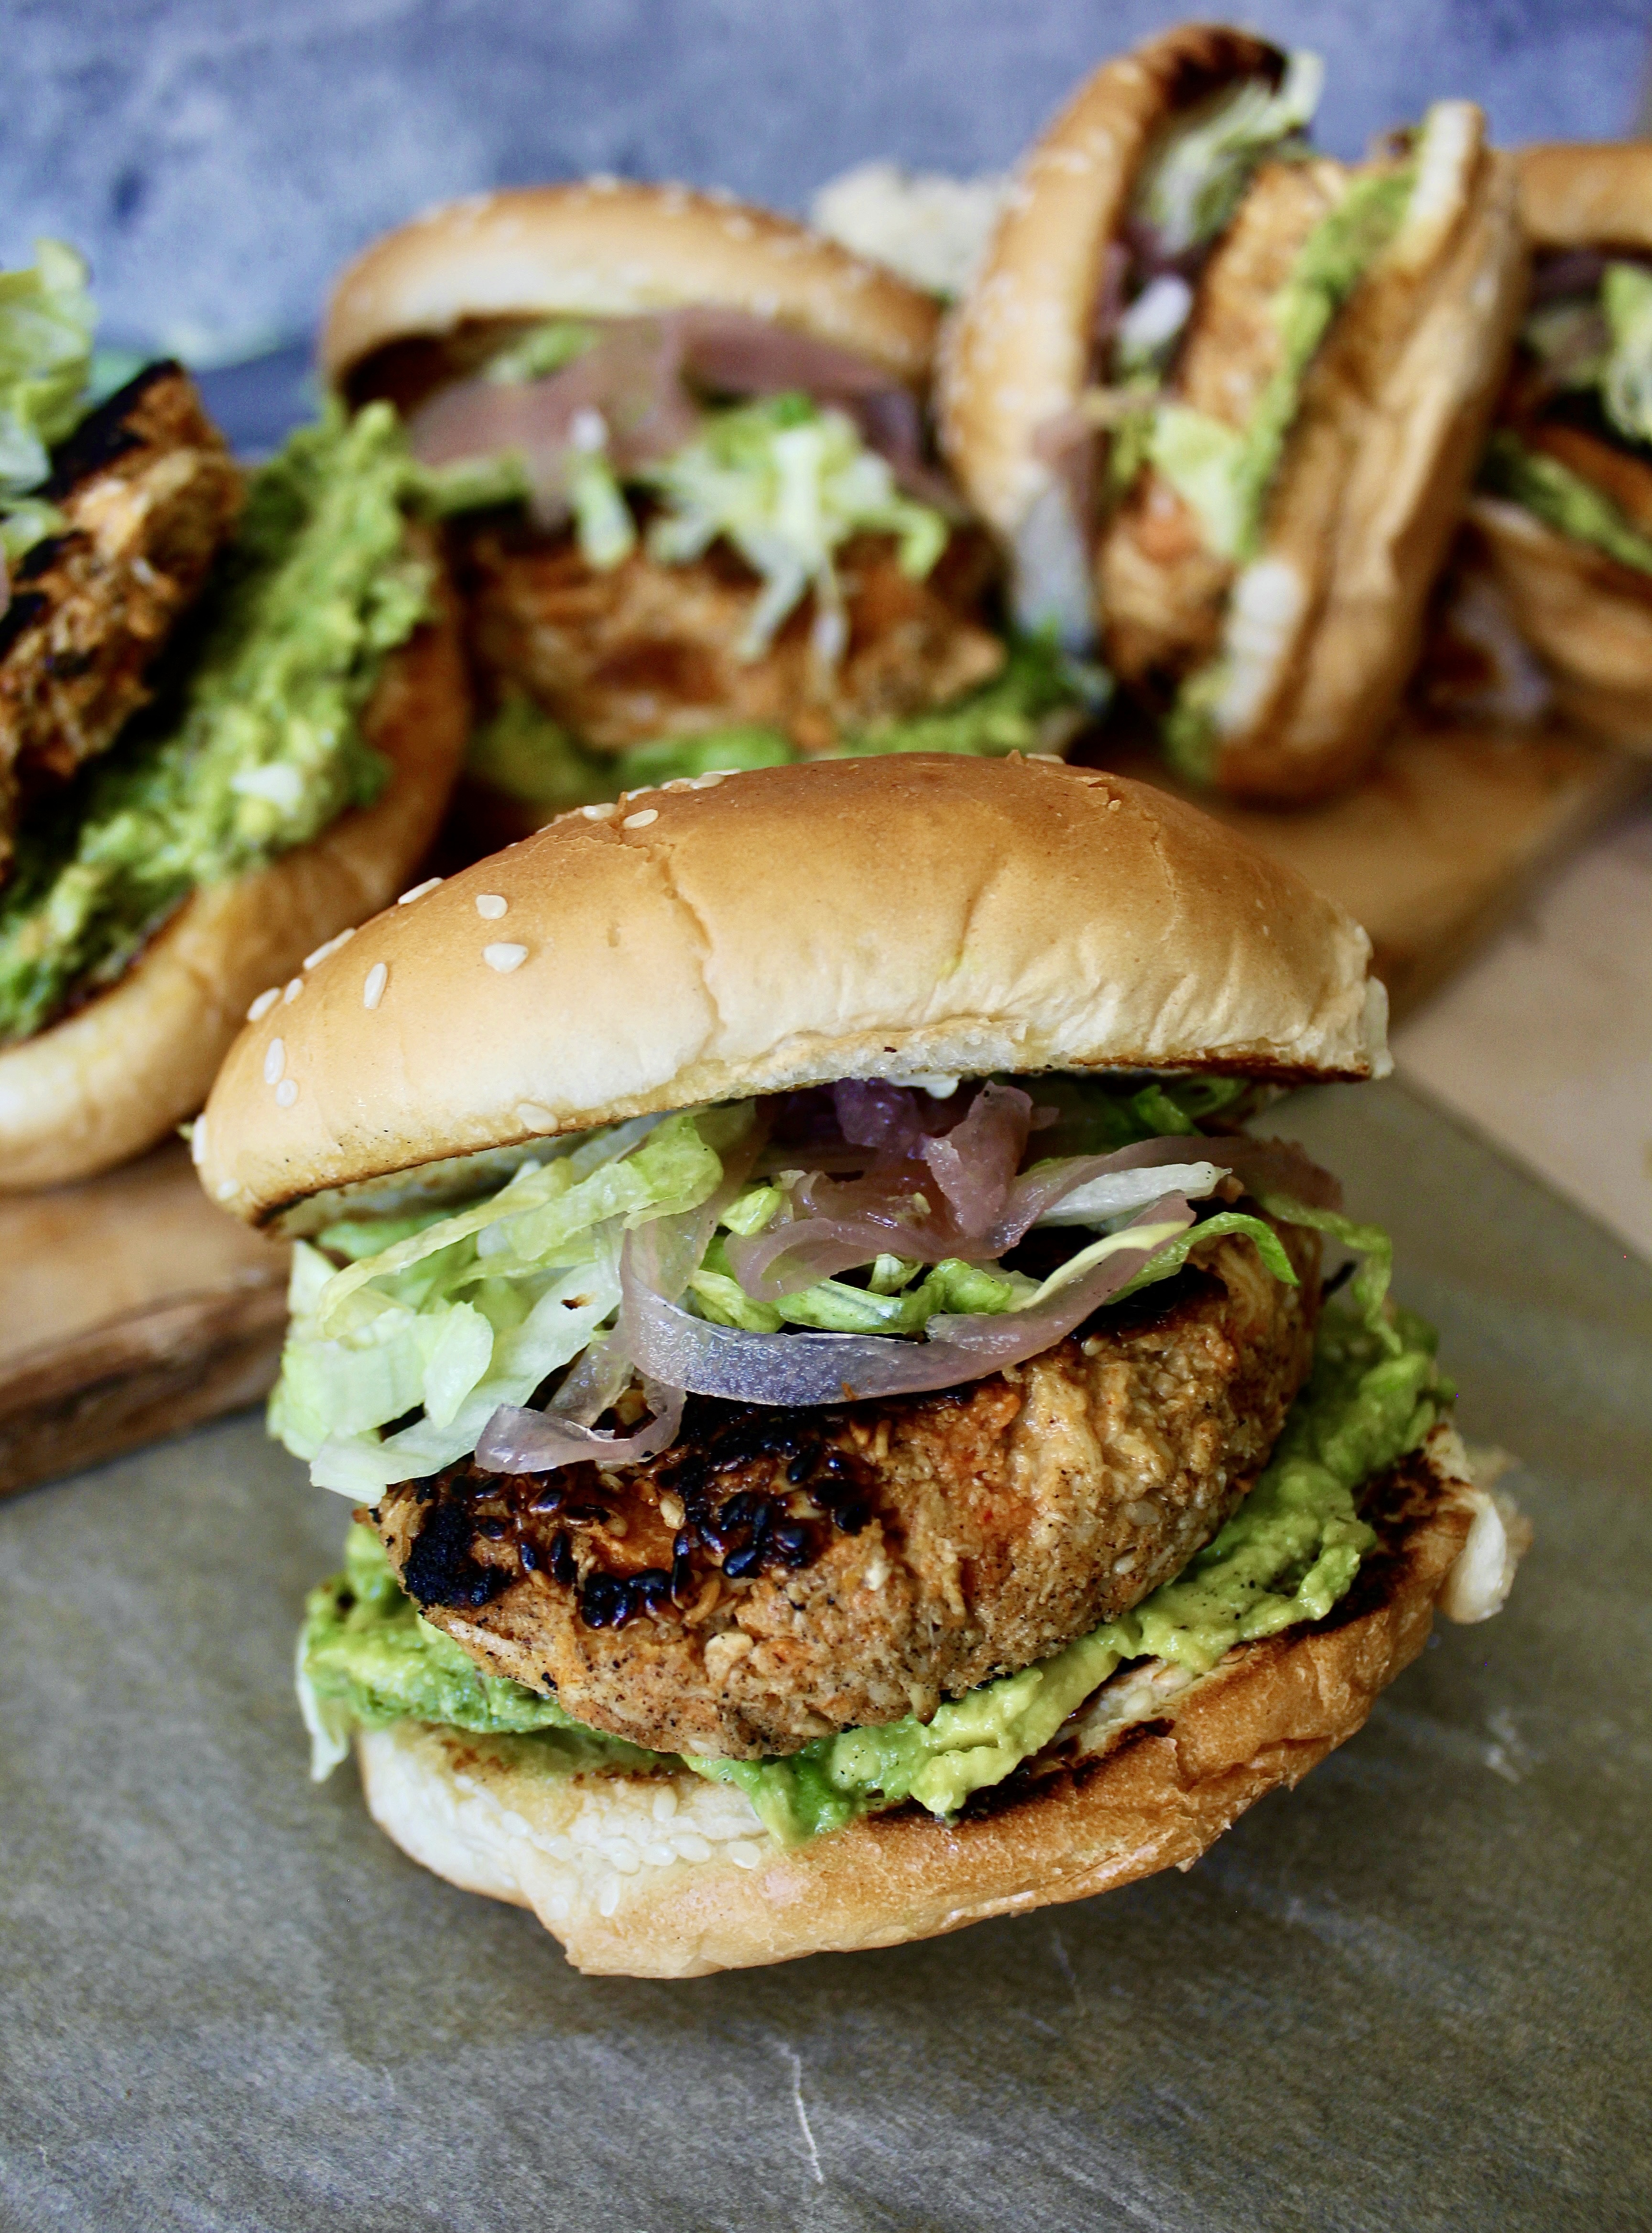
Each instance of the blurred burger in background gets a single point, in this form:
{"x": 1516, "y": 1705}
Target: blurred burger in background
{"x": 231, "y": 713}
{"x": 1220, "y": 397}
{"x": 680, "y": 443}
{"x": 1564, "y": 511}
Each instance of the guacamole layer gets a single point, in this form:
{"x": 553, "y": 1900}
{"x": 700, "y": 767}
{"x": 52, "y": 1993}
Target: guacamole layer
{"x": 367, "y": 1659}
{"x": 252, "y": 744}
{"x": 1031, "y": 705}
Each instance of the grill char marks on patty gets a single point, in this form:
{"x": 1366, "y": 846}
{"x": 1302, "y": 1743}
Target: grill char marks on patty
{"x": 779, "y": 1575}
{"x": 645, "y": 650}
{"x": 150, "y": 494}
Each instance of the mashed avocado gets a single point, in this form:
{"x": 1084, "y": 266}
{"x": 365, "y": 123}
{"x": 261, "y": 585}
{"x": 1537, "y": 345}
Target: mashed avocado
{"x": 1563, "y": 500}
{"x": 1030, "y": 706}
{"x": 252, "y": 744}
{"x": 47, "y": 319}
{"x": 1292, "y": 1550}
{"x": 1225, "y": 474}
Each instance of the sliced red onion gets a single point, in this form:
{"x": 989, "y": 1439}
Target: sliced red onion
{"x": 872, "y": 1113}
{"x": 658, "y": 1257}
{"x": 866, "y": 1218}
{"x": 807, "y": 1368}
{"x": 975, "y": 1163}
{"x": 1269, "y": 1166}
{"x": 516, "y": 1441}
{"x": 635, "y": 380}
{"x": 632, "y": 380}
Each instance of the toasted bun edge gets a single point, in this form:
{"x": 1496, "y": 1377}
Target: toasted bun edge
{"x": 615, "y": 248}
{"x": 118, "y": 1075}
{"x": 643, "y": 1898}
{"x": 786, "y": 926}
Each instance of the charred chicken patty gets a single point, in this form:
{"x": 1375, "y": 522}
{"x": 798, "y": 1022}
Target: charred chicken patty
{"x": 645, "y": 650}
{"x": 779, "y": 1575}
{"x": 148, "y": 495}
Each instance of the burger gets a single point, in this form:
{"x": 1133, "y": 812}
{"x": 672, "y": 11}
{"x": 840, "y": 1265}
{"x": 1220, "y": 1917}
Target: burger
{"x": 1221, "y": 397}
{"x": 1562, "y": 516}
{"x": 680, "y": 443}
{"x": 231, "y": 713}
{"x": 848, "y": 1435}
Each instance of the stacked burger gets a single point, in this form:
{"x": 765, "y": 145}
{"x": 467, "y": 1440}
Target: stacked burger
{"x": 850, "y": 1433}
{"x": 1564, "y": 513}
{"x": 680, "y": 445}
{"x": 230, "y": 717}
{"x": 1222, "y": 397}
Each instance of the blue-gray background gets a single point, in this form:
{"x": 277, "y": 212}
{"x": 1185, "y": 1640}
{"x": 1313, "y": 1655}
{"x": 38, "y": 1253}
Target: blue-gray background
{"x": 218, "y": 158}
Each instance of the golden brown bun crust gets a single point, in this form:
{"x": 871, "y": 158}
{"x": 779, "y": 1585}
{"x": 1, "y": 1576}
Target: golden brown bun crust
{"x": 1393, "y": 416}
{"x": 1588, "y": 618}
{"x": 114, "y": 1078}
{"x": 1587, "y": 196}
{"x": 1325, "y": 627}
{"x": 610, "y": 248}
{"x": 784, "y": 926}
{"x": 1016, "y": 353}
{"x": 1161, "y": 1791}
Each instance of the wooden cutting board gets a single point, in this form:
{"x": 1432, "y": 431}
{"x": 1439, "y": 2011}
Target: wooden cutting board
{"x": 130, "y": 1308}
{"x": 1442, "y": 840}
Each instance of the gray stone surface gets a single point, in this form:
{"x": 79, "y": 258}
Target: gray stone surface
{"x": 1411, "y": 1994}
{"x": 218, "y": 158}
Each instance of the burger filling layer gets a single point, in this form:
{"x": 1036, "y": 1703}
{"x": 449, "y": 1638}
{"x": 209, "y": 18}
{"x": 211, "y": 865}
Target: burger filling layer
{"x": 1575, "y": 446}
{"x": 942, "y": 1449}
{"x": 676, "y": 526}
{"x": 368, "y": 1659}
{"x": 251, "y": 744}
{"x": 1219, "y": 308}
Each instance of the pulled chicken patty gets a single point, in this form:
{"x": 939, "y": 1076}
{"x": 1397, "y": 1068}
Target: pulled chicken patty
{"x": 644, "y": 650}
{"x": 777, "y": 1575}
{"x": 149, "y": 494}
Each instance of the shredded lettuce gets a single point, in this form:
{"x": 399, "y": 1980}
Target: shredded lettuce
{"x": 542, "y": 349}
{"x": 47, "y": 319}
{"x": 1033, "y": 704}
{"x": 1288, "y": 1555}
{"x": 1601, "y": 339}
{"x": 1191, "y": 187}
{"x": 787, "y": 484}
{"x": 475, "y": 1309}
{"x": 1563, "y": 499}
{"x": 396, "y": 1360}
{"x": 1626, "y": 388}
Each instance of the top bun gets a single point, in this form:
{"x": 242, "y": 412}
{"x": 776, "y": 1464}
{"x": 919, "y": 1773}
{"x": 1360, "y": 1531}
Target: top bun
{"x": 897, "y": 918}
{"x": 1017, "y": 353}
{"x": 607, "y": 248}
{"x": 1597, "y": 196}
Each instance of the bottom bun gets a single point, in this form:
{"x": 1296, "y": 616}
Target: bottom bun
{"x": 1588, "y": 618}
{"x": 116, "y": 1076}
{"x": 667, "y": 1876}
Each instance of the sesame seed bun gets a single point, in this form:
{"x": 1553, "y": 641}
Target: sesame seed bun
{"x": 787, "y": 927}
{"x": 1588, "y": 195}
{"x": 1325, "y": 623}
{"x": 1017, "y": 353}
{"x": 666, "y": 1876}
{"x": 117, "y": 1075}
{"x": 612, "y": 249}
{"x": 1588, "y": 618}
